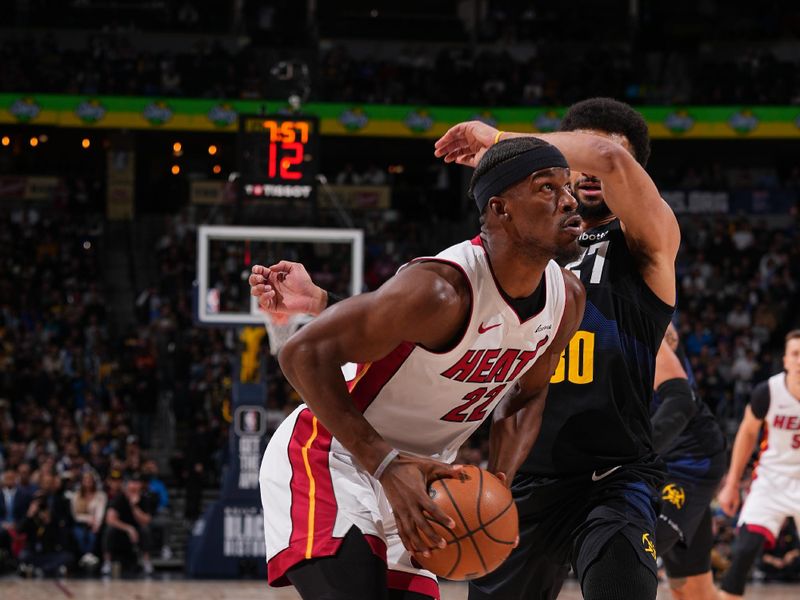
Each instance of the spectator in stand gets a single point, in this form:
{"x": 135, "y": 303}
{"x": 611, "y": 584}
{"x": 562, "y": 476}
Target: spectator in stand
{"x": 156, "y": 486}
{"x": 48, "y": 529}
{"x": 14, "y": 501}
{"x": 739, "y": 318}
{"x": 160, "y": 499}
{"x": 699, "y": 338}
{"x": 128, "y": 518}
{"x": 744, "y": 367}
{"x": 24, "y": 473}
{"x": 97, "y": 458}
{"x": 743, "y": 238}
{"x": 88, "y": 509}
{"x": 113, "y": 489}
{"x": 133, "y": 455}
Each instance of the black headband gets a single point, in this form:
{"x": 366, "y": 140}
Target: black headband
{"x": 515, "y": 169}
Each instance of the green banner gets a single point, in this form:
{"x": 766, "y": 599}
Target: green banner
{"x": 117, "y": 112}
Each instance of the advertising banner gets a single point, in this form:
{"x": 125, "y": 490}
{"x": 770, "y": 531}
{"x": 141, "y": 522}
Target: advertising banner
{"x": 186, "y": 114}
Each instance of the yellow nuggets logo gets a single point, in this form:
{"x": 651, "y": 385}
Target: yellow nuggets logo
{"x": 649, "y": 547}
{"x": 674, "y": 495}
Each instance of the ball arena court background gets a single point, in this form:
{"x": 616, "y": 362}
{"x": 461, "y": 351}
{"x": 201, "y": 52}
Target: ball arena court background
{"x": 151, "y": 152}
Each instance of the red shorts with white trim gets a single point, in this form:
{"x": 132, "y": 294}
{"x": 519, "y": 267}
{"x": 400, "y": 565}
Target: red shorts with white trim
{"x": 772, "y": 498}
{"x": 313, "y": 493}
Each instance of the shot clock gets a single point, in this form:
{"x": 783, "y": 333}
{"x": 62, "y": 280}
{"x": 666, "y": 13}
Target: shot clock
{"x": 278, "y": 157}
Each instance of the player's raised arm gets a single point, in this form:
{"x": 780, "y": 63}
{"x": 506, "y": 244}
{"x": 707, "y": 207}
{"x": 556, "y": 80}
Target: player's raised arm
{"x": 518, "y": 417}
{"x": 650, "y": 225}
{"x": 426, "y": 303}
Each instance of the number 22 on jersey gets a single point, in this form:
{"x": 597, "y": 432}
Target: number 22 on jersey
{"x": 576, "y": 364}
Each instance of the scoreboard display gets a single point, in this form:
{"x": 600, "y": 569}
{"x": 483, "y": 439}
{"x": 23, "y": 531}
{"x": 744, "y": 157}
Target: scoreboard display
{"x": 278, "y": 157}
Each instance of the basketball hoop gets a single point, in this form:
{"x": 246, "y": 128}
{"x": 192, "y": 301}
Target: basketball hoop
{"x": 281, "y": 327}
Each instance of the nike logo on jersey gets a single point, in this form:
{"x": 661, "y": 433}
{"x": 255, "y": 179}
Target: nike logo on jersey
{"x": 482, "y": 329}
{"x": 543, "y": 328}
{"x": 596, "y": 477}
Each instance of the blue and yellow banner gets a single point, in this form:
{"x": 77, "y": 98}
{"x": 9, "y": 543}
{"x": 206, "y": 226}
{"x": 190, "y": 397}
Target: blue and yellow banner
{"x": 182, "y": 114}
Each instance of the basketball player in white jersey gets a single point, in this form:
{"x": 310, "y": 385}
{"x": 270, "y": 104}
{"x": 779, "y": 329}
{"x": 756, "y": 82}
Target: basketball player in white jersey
{"x": 775, "y": 490}
{"x": 438, "y": 347}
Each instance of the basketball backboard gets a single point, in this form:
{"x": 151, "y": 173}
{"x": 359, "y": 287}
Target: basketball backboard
{"x": 225, "y": 255}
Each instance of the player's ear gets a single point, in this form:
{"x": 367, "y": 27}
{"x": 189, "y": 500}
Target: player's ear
{"x": 498, "y": 206}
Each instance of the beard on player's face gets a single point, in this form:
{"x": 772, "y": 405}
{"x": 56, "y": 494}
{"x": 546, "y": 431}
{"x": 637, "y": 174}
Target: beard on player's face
{"x": 594, "y": 210}
{"x": 588, "y": 191}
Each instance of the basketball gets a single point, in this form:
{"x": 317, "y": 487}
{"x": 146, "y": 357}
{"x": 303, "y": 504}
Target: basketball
{"x": 486, "y": 525}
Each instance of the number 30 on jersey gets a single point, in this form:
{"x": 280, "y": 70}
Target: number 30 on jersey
{"x": 576, "y": 364}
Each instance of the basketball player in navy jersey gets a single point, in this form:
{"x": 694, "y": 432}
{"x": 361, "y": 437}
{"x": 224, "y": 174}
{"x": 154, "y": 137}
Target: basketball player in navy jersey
{"x": 438, "y": 347}
{"x": 690, "y": 441}
{"x": 588, "y": 494}
{"x": 774, "y": 408}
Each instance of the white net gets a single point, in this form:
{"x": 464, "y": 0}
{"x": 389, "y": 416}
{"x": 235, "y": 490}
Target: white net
{"x": 281, "y": 327}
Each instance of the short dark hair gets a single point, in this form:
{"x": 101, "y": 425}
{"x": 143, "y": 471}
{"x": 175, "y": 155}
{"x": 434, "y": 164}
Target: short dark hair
{"x": 611, "y": 116}
{"x": 794, "y": 334}
{"x": 501, "y": 152}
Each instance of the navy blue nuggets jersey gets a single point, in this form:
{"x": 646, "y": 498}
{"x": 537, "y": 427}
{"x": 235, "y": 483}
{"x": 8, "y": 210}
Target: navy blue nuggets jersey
{"x": 597, "y": 414}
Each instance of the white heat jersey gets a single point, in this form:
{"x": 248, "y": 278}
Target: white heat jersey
{"x": 780, "y": 453}
{"x": 428, "y": 403}
{"x": 421, "y": 402}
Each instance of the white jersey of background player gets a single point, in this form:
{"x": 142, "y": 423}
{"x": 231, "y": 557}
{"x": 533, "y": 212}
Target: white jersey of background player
{"x": 774, "y": 409}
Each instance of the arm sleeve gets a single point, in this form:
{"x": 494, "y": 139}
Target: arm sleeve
{"x": 678, "y": 406}
{"x": 759, "y": 400}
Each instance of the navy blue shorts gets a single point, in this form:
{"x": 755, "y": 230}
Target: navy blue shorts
{"x": 684, "y": 533}
{"x": 568, "y": 521}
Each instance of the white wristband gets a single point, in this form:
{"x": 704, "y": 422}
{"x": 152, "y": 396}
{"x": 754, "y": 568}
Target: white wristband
{"x": 385, "y": 463}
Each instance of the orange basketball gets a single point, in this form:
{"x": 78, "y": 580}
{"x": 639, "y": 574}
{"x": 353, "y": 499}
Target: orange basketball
{"x": 485, "y": 530}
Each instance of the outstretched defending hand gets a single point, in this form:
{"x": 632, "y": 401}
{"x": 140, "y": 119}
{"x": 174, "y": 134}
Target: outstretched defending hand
{"x": 466, "y": 143}
{"x": 286, "y": 288}
{"x": 406, "y": 482}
